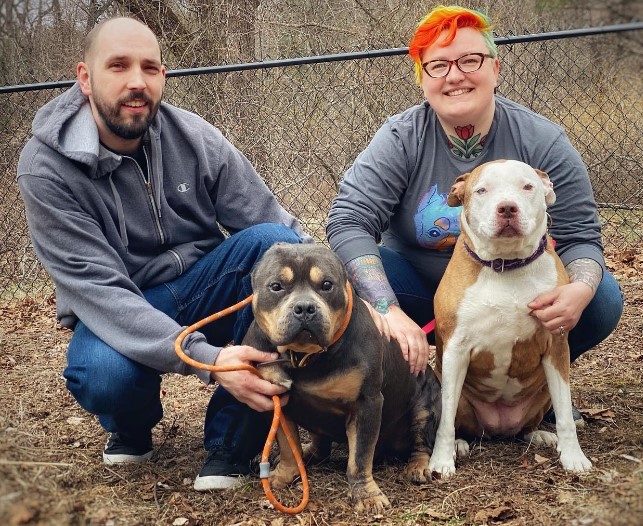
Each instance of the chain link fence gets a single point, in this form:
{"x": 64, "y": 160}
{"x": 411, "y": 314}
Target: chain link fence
{"x": 303, "y": 122}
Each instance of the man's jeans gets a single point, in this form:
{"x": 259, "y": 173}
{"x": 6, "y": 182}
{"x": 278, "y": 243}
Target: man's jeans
{"x": 598, "y": 321}
{"x": 126, "y": 395}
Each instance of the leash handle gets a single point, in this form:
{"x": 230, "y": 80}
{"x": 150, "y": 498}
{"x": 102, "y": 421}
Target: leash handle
{"x": 277, "y": 419}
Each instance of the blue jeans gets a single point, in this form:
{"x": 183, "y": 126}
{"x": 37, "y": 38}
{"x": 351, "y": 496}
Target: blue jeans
{"x": 126, "y": 395}
{"x": 598, "y": 321}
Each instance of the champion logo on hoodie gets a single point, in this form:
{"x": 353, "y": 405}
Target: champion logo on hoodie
{"x": 183, "y": 187}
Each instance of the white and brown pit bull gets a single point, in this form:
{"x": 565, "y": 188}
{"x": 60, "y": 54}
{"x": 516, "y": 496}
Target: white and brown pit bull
{"x": 500, "y": 368}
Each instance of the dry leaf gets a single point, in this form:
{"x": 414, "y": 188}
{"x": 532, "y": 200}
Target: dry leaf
{"x": 599, "y": 414}
{"x": 539, "y": 459}
{"x": 21, "y": 514}
{"x": 497, "y": 513}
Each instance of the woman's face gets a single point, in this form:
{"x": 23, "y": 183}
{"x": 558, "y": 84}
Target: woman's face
{"x": 460, "y": 99}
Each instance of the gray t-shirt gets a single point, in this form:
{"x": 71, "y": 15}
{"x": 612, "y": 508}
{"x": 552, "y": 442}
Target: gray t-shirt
{"x": 395, "y": 191}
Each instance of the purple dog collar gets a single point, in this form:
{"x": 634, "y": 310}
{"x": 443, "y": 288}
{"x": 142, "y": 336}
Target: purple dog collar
{"x": 500, "y": 265}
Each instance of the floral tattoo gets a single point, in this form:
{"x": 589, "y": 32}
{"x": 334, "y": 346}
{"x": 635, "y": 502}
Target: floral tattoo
{"x": 586, "y": 271}
{"x": 467, "y": 144}
{"x": 367, "y": 276}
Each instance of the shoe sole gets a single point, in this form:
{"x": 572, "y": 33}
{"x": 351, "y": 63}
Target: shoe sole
{"x": 218, "y": 482}
{"x": 126, "y": 459}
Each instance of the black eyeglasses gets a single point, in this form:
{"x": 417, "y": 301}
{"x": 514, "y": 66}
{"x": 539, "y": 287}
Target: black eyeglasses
{"x": 467, "y": 64}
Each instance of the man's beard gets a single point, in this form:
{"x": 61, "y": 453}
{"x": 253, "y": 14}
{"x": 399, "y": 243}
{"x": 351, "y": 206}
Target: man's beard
{"x": 136, "y": 126}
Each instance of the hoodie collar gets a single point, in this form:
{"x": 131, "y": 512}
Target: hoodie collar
{"x": 67, "y": 125}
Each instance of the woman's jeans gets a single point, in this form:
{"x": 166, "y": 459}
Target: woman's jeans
{"x": 126, "y": 395}
{"x": 598, "y": 321}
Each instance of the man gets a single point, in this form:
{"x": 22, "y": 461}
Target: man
{"x": 396, "y": 190}
{"x": 124, "y": 196}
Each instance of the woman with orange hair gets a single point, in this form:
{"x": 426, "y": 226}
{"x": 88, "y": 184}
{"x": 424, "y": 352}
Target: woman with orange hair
{"x": 391, "y": 225}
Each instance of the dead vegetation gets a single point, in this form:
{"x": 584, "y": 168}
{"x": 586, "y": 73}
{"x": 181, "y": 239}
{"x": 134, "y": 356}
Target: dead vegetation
{"x": 51, "y": 471}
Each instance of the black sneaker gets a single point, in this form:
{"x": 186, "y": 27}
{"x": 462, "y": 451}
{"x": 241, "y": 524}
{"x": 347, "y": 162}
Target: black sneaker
{"x": 127, "y": 449}
{"x": 220, "y": 471}
{"x": 550, "y": 417}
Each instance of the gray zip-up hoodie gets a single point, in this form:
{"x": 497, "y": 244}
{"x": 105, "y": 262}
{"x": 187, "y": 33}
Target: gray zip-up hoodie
{"x": 104, "y": 235}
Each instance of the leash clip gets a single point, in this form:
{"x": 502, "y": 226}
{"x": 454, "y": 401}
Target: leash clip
{"x": 272, "y": 362}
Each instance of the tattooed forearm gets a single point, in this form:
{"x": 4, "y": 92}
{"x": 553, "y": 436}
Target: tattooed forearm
{"x": 367, "y": 275}
{"x": 585, "y": 271}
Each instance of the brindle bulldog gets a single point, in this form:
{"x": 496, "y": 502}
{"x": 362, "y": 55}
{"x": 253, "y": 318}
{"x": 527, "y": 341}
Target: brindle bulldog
{"x": 347, "y": 382}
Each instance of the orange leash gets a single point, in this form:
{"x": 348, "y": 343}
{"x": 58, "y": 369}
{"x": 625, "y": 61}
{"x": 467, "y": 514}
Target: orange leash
{"x": 276, "y": 419}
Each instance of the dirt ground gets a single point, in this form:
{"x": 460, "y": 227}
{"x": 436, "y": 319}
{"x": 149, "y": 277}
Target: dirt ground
{"x": 51, "y": 470}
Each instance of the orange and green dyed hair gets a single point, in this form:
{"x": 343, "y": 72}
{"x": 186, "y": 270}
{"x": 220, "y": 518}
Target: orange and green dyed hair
{"x": 447, "y": 18}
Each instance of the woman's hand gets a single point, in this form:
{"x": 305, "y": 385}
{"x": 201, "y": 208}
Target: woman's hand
{"x": 561, "y": 307}
{"x": 411, "y": 337}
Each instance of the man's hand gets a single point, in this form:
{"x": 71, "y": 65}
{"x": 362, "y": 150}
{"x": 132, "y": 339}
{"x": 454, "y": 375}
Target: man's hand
{"x": 411, "y": 337}
{"x": 246, "y": 386}
{"x": 561, "y": 307}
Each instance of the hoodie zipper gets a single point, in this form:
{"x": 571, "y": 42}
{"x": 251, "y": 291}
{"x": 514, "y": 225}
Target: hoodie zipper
{"x": 148, "y": 187}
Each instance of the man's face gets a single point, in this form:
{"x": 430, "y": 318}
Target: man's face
{"x": 124, "y": 80}
{"x": 461, "y": 98}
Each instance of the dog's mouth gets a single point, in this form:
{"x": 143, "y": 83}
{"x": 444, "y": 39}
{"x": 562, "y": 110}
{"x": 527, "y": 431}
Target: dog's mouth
{"x": 508, "y": 230}
{"x": 306, "y": 340}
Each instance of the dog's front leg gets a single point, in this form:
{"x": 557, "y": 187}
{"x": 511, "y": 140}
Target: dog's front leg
{"x": 455, "y": 362}
{"x": 572, "y": 457}
{"x": 287, "y": 469}
{"x": 362, "y": 428}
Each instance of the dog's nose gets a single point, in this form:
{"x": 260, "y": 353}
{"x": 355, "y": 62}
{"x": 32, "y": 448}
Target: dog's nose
{"x": 506, "y": 209}
{"x": 304, "y": 310}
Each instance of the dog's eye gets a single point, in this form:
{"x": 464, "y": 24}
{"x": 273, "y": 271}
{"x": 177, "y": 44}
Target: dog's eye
{"x": 481, "y": 191}
{"x": 276, "y": 286}
{"x": 529, "y": 187}
{"x": 326, "y": 285}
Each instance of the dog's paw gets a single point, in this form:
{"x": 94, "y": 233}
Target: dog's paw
{"x": 369, "y": 499}
{"x": 442, "y": 467}
{"x": 461, "y": 448}
{"x": 417, "y": 470}
{"x": 442, "y": 463}
{"x": 281, "y": 476}
{"x": 541, "y": 438}
{"x": 575, "y": 461}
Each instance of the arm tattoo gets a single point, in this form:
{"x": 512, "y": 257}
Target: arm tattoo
{"x": 586, "y": 271}
{"x": 366, "y": 274}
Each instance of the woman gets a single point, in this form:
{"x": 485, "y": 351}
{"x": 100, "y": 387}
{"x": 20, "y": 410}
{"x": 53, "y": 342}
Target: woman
{"x": 395, "y": 192}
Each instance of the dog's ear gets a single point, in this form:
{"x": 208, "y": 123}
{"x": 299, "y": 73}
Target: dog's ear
{"x": 456, "y": 194}
{"x": 550, "y": 195}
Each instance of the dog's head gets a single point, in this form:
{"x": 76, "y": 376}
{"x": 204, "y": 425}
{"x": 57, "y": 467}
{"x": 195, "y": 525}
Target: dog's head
{"x": 300, "y": 296}
{"x": 504, "y": 204}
